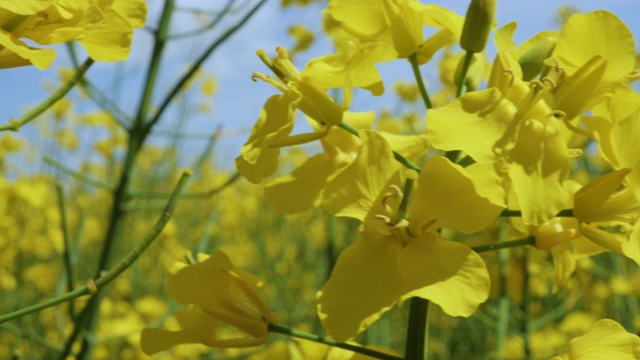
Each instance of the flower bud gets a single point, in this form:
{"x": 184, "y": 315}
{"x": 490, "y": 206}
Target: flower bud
{"x": 532, "y": 60}
{"x": 477, "y": 25}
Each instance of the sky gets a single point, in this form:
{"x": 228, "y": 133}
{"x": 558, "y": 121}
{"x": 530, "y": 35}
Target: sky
{"x": 238, "y": 100}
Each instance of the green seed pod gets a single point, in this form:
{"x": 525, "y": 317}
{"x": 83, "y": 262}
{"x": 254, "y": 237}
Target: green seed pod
{"x": 477, "y": 25}
{"x": 532, "y": 60}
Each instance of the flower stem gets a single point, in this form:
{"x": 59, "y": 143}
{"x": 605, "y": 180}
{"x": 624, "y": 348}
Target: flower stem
{"x": 413, "y": 60}
{"x": 322, "y": 340}
{"x": 14, "y": 125}
{"x": 468, "y": 56}
{"x": 518, "y": 213}
{"x": 504, "y": 245}
{"x": 402, "y": 209}
{"x": 417, "y": 329}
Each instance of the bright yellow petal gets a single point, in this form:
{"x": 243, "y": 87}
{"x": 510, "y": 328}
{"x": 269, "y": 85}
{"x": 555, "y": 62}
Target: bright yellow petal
{"x": 196, "y": 328}
{"x": 475, "y": 123}
{"x": 596, "y": 33}
{"x": 354, "y": 190}
{"x": 26, "y": 7}
{"x": 17, "y": 53}
{"x": 364, "y": 284}
{"x": 447, "y": 196}
{"x": 447, "y": 273}
{"x": 598, "y": 201}
{"x": 258, "y": 160}
{"x": 300, "y": 190}
{"x": 606, "y": 340}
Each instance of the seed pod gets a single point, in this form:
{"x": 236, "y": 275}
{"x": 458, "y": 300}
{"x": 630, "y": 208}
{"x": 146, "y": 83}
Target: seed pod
{"x": 532, "y": 60}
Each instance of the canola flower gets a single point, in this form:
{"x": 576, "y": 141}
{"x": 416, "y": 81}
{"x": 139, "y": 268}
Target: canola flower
{"x": 218, "y": 293}
{"x": 103, "y": 28}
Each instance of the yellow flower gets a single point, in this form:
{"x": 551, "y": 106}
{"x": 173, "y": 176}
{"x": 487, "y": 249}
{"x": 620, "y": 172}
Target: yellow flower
{"x": 398, "y": 24}
{"x": 400, "y": 258}
{"x": 103, "y": 27}
{"x": 217, "y": 293}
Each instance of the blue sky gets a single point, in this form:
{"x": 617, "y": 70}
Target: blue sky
{"x": 239, "y": 100}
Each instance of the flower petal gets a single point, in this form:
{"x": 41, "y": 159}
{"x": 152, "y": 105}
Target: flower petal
{"x": 606, "y": 340}
{"x": 447, "y": 273}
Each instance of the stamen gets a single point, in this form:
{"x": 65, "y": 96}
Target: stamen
{"x": 549, "y": 81}
{"x": 511, "y": 75}
{"x": 385, "y": 219}
{"x": 394, "y": 193}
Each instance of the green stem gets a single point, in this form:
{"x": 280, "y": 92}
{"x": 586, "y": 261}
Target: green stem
{"x": 401, "y": 159}
{"x": 218, "y": 17}
{"x": 413, "y": 60}
{"x": 14, "y": 125}
{"x": 468, "y": 56}
{"x": 402, "y": 209}
{"x": 505, "y": 244}
{"x": 123, "y": 265}
{"x": 518, "y": 213}
{"x": 67, "y": 247}
{"x": 417, "y": 329}
{"x": 526, "y": 306}
{"x": 322, "y": 340}
{"x": 198, "y": 63}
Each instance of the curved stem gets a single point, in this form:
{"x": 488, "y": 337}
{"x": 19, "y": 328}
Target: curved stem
{"x": 413, "y": 60}
{"x": 504, "y": 245}
{"x": 322, "y": 340}
{"x": 14, "y": 125}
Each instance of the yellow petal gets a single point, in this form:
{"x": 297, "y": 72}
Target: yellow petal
{"x": 196, "y": 328}
{"x": 475, "y": 123}
{"x": 17, "y": 53}
{"x": 600, "y": 33}
{"x": 258, "y": 160}
{"x": 599, "y": 202}
{"x": 300, "y": 190}
{"x": 447, "y": 273}
{"x": 606, "y": 340}
{"x": 364, "y": 284}
{"x": 355, "y": 189}
{"x": 447, "y": 196}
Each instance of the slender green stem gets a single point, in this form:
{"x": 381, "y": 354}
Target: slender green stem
{"x": 468, "y": 56}
{"x": 33, "y": 338}
{"x": 14, "y": 125}
{"x": 417, "y": 329}
{"x": 154, "y": 66}
{"x": 323, "y": 340}
{"x": 401, "y": 159}
{"x": 402, "y": 209}
{"x": 413, "y": 60}
{"x": 123, "y": 265}
{"x": 526, "y": 306}
{"x": 518, "y": 213}
{"x": 187, "y": 196}
{"x": 505, "y": 244}
{"x": 67, "y": 246}
{"x": 198, "y": 63}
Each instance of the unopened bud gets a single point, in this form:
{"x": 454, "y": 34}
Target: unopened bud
{"x": 477, "y": 25}
{"x": 532, "y": 60}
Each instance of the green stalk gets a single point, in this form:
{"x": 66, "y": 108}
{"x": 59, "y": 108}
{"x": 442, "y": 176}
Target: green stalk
{"x": 417, "y": 329}
{"x": 67, "y": 248}
{"x": 123, "y": 265}
{"x": 322, "y": 340}
{"x": 413, "y": 60}
{"x": 526, "y": 307}
{"x": 518, "y": 213}
{"x": 505, "y": 244}
{"x": 468, "y": 56}
{"x": 14, "y": 125}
